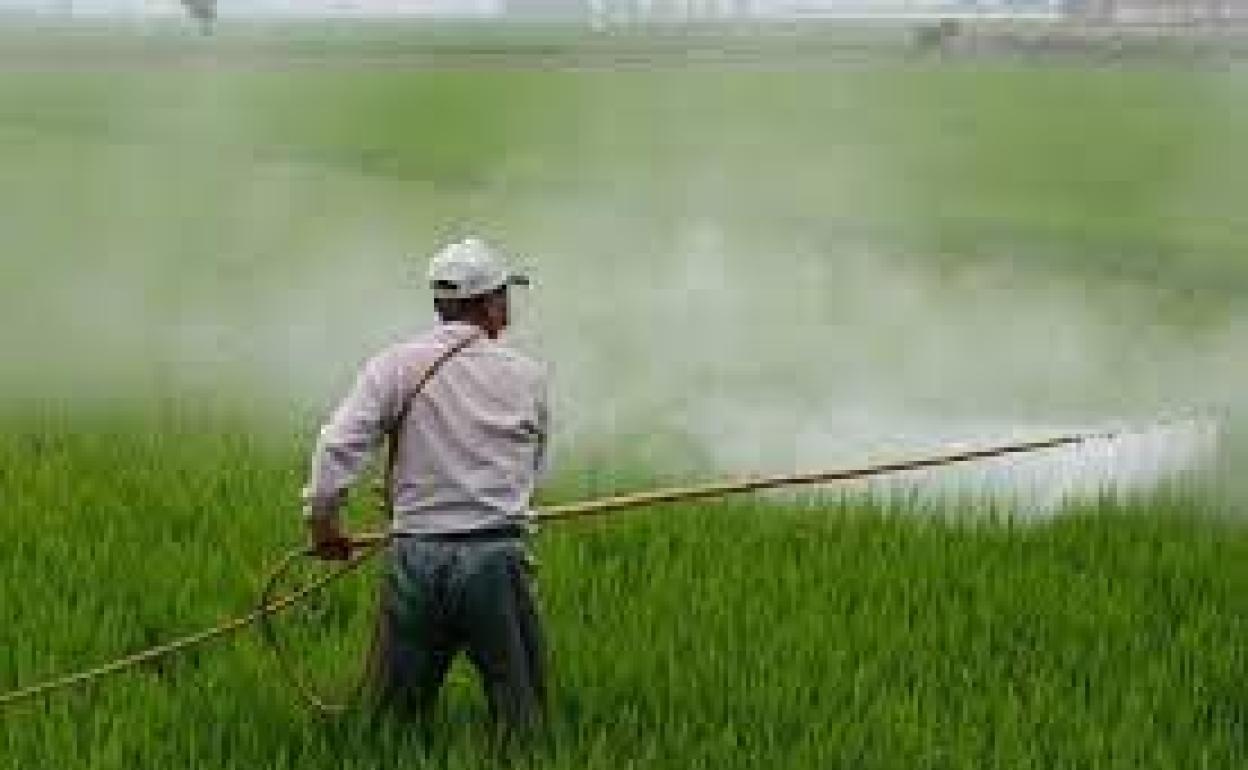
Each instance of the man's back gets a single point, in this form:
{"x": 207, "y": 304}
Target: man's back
{"x": 471, "y": 444}
{"x": 474, "y": 439}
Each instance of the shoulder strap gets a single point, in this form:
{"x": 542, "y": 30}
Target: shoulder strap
{"x": 394, "y": 432}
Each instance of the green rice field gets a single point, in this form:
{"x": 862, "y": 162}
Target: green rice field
{"x": 738, "y": 268}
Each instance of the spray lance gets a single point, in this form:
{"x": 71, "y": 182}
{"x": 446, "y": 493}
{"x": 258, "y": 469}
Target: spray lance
{"x": 270, "y": 603}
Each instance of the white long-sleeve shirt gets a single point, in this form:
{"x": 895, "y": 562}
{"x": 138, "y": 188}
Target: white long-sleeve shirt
{"x": 471, "y": 446}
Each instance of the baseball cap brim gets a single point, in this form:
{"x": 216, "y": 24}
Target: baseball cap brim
{"x": 452, "y": 290}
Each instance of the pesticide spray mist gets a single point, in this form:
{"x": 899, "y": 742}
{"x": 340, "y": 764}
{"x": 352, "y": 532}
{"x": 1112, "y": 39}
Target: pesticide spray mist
{"x": 704, "y": 300}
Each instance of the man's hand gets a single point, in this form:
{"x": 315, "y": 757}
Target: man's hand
{"x": 328, "y": 540}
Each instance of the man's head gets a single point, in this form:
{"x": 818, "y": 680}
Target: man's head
{"x": 469, "y": 281}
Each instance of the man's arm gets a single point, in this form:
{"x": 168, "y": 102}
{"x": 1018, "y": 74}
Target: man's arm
{"x": 345, "y": 444}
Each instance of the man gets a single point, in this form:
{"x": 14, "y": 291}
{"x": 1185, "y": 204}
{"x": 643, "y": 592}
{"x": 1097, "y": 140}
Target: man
{"x": 465, "y": 454}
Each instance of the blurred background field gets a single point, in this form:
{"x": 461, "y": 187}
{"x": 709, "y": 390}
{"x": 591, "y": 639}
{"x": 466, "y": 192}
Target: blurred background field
{"x": 283, "y": 189}
{"x": 788, "y": 257}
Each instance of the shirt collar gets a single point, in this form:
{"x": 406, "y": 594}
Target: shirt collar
{"x": 456, "y": 330}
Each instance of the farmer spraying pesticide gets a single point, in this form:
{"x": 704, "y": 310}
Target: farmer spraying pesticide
{"x": 467, "y": 423}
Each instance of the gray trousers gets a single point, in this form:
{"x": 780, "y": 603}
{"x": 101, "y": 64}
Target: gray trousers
{"x": 443, "y": 596}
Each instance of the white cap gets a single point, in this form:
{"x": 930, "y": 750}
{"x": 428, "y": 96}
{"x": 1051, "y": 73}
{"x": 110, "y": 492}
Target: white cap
{"x": 469, "y": 268}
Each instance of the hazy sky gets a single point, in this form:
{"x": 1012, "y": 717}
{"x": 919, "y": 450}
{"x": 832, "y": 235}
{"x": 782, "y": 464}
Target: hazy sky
{"x": 228, "y": 7}
{"x": 476, "y": 7}
{"x": 235, "y": 8}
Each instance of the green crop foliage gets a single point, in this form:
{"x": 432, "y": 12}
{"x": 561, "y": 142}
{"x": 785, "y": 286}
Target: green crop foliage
{"x": 742, "y": 634}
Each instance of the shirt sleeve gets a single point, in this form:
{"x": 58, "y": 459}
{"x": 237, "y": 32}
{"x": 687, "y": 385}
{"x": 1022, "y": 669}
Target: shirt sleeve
{"x": 348, "y": 440}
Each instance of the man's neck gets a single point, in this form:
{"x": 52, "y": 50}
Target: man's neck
{"x": 474, "y": 324}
